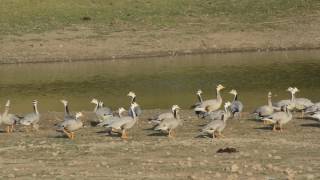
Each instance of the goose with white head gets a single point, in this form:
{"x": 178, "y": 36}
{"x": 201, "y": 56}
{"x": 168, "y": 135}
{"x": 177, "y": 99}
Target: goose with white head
{"x": 102, "y": 113}
{"x": 278, "y": 119}
{"x": 68, "y": 126}
{"x": 32, "y": 119}
{"x": 210, "y": 105}
{"x": 67, "y": 114}
{"x": 108, "y": 121}
{"x": 236, "y": 105}
{"x": 265, "y": 110}
{"x": 199, "y": 98}
{"x": 159, "y": 118}
{"x": 9, "y": 120}
{"x": 137, "y": 108}
{"x": 170, "y": 124}
{"x": 125, "y": 122}
{"x": 215, "y": 128}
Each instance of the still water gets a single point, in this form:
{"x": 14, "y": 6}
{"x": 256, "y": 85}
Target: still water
{"x": 161, "y": 82}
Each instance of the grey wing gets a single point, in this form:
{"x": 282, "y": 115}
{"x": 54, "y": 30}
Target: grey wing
{"x": 137, "y": 110}
{"x": 314, "y": 108}
{"x": 236, "y": 106}
{"x": 108, "y": 121}
{"x": 215, "y": 115}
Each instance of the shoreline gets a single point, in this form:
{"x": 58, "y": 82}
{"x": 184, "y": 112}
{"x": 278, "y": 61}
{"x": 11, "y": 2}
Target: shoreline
{"x": 159, "y": 54}
{"x": 68, "y": 46}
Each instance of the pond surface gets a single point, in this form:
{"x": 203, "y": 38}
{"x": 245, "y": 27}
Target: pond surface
{"x": 161, "y": 82}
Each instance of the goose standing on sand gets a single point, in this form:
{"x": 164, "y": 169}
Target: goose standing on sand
{"x": 216, "y": 127}
{"x": 208, "y": 106}
{"x": 167, "y": 115}
{"x": 32, "y": 119}
{"x": 236, "y": 105}
{"x": 69, "y": 125}
{"x": 170, "y": 124}
{"x": 265, "y": 110}
{"x": 137, "y": 109}
{"x": 125, "y": 123}
{"x": 108, "y": 121}
{"x": 8, "y": 119}
{"x": 302, "y": 104}
{"x": 102, "y": 112}
{"x": 278, "y": 119}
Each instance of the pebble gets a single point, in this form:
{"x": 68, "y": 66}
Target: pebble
{"x": 249, "y": 173}
{"x": 257, "y": 167}
{"x": 310, "y": 176}
{"x": 269, "y": 155}
{"x": 11, "y": 176}
{"x": 277, "y": 157}
{"x": 217, "y": 175}
{"x": 234, "y": 168}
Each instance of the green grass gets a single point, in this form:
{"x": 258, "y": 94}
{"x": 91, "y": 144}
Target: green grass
{"x": 32, "y": 16}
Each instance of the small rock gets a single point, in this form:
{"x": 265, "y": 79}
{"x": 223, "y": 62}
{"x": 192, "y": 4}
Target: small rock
{"x": 34, "y": 175}
{"x": 217, "y": 175}
{"x": 249, "y": 173}
{"x": 234, "y": 168}
{"x": 189, "y": 158}
{"x": 11, "y": 176}
{"x": 269, "y": 155}
{"x": 310, "y": 176}
{"x": 277, "y": 157}
{"x": 168, "y": 153}
{"x": 269, "y": 166}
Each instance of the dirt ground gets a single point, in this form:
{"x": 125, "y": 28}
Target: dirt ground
{"x": 80, "y": 43}
{"x": 262, "y": 153}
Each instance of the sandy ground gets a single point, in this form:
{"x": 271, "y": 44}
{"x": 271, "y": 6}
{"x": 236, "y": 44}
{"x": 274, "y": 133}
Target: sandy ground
{"x": 262, "y": 153}
{"x": 81, "y": 43}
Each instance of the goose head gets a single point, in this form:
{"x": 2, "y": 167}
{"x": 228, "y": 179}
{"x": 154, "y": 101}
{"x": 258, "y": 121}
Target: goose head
{"x": 269, "y": 94}
{"x": 295, "y": 89}
{"x": 35, "y": 102}
{"x": 7, "y": 103}
{"x": 220, "y": 87}
{"x": 94, "y": 101}
{"x": 175, "y": 108}
{"x": 227, "y": 104}
{"x": 131, "y": 94}
{"x": 121, "y": 110}
{"x": 100, "y": 103}
{"x": 64, "y": 102}
{"x": 234, "y": 92}
{"x": 78, "y": 115}
{"x": 199, "y": 92}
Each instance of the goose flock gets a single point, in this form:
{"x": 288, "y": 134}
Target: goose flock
{"x": 272, "y": 114}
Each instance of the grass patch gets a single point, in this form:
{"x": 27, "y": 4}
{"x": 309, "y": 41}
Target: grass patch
{"x": 34, "y": 16}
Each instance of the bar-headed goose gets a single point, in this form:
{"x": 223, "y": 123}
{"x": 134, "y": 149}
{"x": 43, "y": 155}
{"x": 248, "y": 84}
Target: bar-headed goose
{"x": 32, "y": 119}
{"x": 69, "y": 125}
{"x": 236, "y": 105}
{"x": 170, "y": 124}
{"x": 7, "y": 119}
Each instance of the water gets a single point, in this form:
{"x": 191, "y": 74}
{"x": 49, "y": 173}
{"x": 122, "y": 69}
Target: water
{"x": 161, "y": 82}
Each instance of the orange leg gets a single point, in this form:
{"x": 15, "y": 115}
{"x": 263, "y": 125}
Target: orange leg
{"x": 72, "y": 135}
{"x": 169, "y": 134}
{"x": 67, "y": 133}
{"x": 124, "y": 135}
{"x": 8, "y": 129}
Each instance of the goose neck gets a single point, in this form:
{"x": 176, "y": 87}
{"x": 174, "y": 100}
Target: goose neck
{"x": 200, "y": 98}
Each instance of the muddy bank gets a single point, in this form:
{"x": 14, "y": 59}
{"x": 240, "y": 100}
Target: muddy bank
{"x": 261, "y": 153}
{"x": 84, "y": 44}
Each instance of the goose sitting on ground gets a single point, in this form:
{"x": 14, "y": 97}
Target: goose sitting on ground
{"x": 32, "y": 119}
{"x": 8, "y": 119}
{"x": 167, "y": 115}
{"x": 170, "y": 124}
{"x": 69, "y": 125}
{"x": 125, "y": 123}
{"x": 102, "y": 112}
{"x": 265, "y": 110}
{"x": 278, "y": 105}
{"x": 217, "y": 126}
{"x": 208, "y": 106}
{"x": 236, "y": 105}
{"x": 137, "y": 109}
{"x": 278, "y": 119}
{"x": 312, "y": 109}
